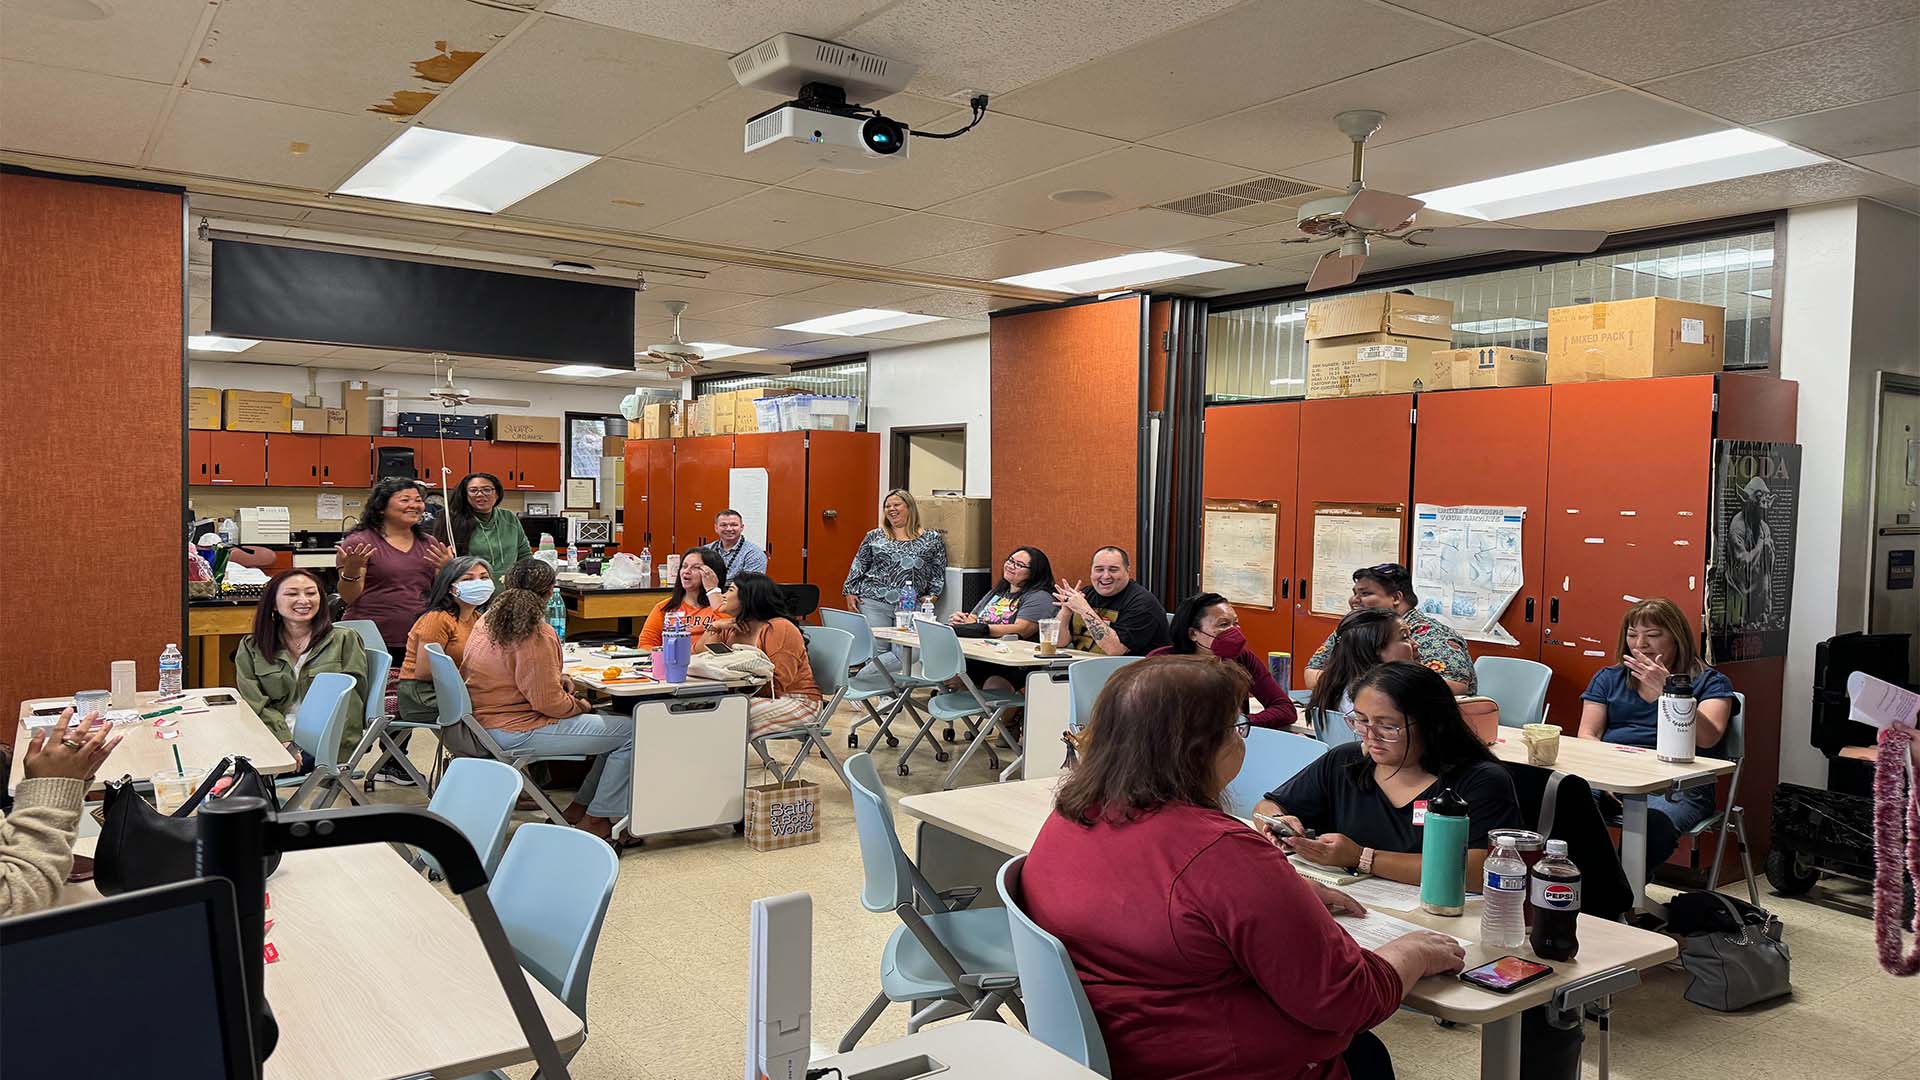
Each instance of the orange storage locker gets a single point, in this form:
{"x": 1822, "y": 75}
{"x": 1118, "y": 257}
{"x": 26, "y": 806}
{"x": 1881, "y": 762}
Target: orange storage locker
{"x": 637, "y": 528}
{"x": 699, "y": 487}
{"x": 784, "y": 456}
{"x": 1249, "y": 454}
{"x": 843, "y": 504}
{"x": 293, "y": 460}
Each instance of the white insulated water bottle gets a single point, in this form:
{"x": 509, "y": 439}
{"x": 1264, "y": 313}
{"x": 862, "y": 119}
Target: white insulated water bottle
{"x": 1675, "y": 739}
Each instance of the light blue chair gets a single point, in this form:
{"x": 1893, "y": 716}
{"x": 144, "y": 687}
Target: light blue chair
{"x": 1058, "y": 1012}
{"x": 458, "y": 722}
{"x": 477, "y": 795}
{"x": 957, "y": 960}
{"x": 370, "y": 635}
{"x": 873, "y": 682}
{"x": 1518, "y": 686}
{"x": 1085, "y": 680}
{"x": 1273, "y": 758}
{"x": 827, "y": 650}
{"x": 1731, "y": 747}
{"x": 941, "y": 660}
{"x": 318, "y": 724}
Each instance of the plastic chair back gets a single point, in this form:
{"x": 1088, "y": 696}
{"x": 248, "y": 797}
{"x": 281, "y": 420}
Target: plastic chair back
{"x": 1085, "y": 680}
{"x": 800, "y": 601}
{"x": 1331, "y": 730}
{"x": 1273, "y": 758}
{"x": 369, "y": 635}
{"x": 1058, "y": 1012}
{"x": 828, "y": 651}
{"x": 477, "y": 795}
{"x": 1519, "y": 686}
{"x": 888, "y": 883}
{"x": 551, "y": 893}
{"x": 379, "y": 666}
{"x": 449, "y": 689}
{"x": 321, "y": 719}
{"x": 855, "y": 624}
{"x": 1733, "y": 745}
{"x": 940, "y": 655}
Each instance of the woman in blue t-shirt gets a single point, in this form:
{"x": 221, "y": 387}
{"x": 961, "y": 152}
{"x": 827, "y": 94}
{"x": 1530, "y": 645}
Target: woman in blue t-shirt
{"x": 1621, "y": 705}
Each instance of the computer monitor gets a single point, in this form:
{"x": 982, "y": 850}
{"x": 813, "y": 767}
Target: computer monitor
{"x": 165, "y": 964}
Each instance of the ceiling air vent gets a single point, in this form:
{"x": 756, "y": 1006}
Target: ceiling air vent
{"x": 1247, "y": 193}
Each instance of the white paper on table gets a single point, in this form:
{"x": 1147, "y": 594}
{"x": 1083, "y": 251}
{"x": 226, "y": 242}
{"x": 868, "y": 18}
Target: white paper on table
{"x": 1879, "y": 703}
{"x": 1376, "y": 892}
{"x": 1373, "y": 930}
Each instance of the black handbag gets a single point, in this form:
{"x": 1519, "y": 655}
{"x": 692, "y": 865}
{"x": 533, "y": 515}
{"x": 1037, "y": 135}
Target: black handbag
{"x": 139, "y": 847}
{"x": 975, "y": 629}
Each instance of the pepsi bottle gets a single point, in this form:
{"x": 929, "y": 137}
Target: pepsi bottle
{"x": 1553, "y": 895}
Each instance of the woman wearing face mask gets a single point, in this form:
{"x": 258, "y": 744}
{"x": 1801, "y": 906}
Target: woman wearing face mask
{"x": 1207, "y": 624}
{"x": 1365, "y": 639}
{"x": 387, "y": 564}
{"x": 696, "y": 593}
{"x": 460, "y": 592}
{"x": 293, "y": 640}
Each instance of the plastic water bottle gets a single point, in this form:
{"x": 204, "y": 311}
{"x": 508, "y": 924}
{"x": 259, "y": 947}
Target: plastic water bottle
{"x": 546, "y": 550}
{"x": 172, "y": 667}
{"x": 926, "y": 609}
{"x": 646, "y": 565}
{"x": 903, "y": 617}
{"x": 573, "y": 556}
{"x": 557, "y": 614}
{"x": 1503, "y": 916}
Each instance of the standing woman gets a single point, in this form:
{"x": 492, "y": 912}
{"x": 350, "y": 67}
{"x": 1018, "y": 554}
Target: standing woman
{"x": 460, "y": 592}
{"x": 293, "y": 640}
{"x": 387, "y": 563}
{"x": 897, "y": 554}
{"x": 1206, "y": 624}
{"x": 696, "y": 592}
{"x": 482, "y": 527}
{"x": 751, "y": 613}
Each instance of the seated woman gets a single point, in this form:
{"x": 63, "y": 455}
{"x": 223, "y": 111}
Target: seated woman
{"x": 36, "y": 836}
{"x": 459, "y": 592}
{"x": 513, "y": 674}
{"x": 1207, "y": 622}
{"x": 1366, "y": 799}
{"x": 1226, "y": 962}
{"x": 695, "y": 592}
{"x": 1621, "y": 705}
{"x": 750, "y": 613}
{"x": 1013, "y": 609}
{"x": 293, "y": 640}
{"x": 1365, "y": 639}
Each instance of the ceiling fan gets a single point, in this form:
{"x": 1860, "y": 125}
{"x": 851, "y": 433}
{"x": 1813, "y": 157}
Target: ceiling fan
{"x": 674, "y": 356}
{"x": 1363, "y": 215}
{"x": 449, "y": 396}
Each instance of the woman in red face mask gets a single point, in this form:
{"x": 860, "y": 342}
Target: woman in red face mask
{"x": 1205, "y": 624}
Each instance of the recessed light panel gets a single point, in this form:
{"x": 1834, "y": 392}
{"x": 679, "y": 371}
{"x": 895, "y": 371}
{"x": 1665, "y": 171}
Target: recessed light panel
{"x": 863, "y": 321}
{"x": 216, "y": 343}
{"x": 1119, "y": 272}
{"x": 460, "y": 172}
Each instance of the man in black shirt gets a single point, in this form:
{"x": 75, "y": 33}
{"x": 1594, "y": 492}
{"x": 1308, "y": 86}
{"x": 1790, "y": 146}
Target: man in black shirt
{"x": 1112, "y": 614}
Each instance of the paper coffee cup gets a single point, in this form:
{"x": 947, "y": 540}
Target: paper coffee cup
{"x": 1543, "y": 743}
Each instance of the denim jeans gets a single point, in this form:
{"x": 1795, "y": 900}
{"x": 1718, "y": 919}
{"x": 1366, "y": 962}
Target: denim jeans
{"x": 879, "y": 615}
{"x": 608, "y": 788}
{"x": 1668, "y": 818}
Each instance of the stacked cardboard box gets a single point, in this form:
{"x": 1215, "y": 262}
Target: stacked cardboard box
{"x": 1378, "y": 343}
{"x": 320, "y": 421}
{"x": 508, "y": 427}
{"x": 203, "y": 408}
{"x": 1634, "y": 339}
{"x": 1493, "y": 366}
{"x": 253, "y": 410}
{"x": 966, "y": 524}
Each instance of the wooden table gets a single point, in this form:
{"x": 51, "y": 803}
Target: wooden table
{"x": 595, "y": 603}
{"x": 1630, "y": 773}
{"x": 1007, "y": 817}
{"x": 586, "y": 670}
{"x": 214, "y": 630}
{"x": 970, "y": 1050}
{"x": 380, "y": 975}
{"x": 204, "y": 739}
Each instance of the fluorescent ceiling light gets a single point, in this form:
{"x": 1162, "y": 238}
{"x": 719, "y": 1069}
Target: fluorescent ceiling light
{"x": 1703, "y": 159}
{"x": 584, "y": 371}
{"x": 216, "y": 343}
{"x": 714, "y": 350}
{"x": 1499, "y": 326}
{"x": 1700, "y": 263}
{"x": 462, "y": 172}
{"x": 863, "y": 321}
{"x": 1121, "y": 271}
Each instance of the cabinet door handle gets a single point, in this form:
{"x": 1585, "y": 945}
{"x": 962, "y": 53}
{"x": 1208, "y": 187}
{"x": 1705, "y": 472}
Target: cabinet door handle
{"x": 1285, "y": 584}
{"x": 1553, "y": 610}
{"x": 1529, "y": 609}
{"x": 1301, "y": 593}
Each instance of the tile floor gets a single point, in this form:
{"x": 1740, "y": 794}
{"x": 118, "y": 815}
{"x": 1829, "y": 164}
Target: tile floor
{"x": 668, "y": 991}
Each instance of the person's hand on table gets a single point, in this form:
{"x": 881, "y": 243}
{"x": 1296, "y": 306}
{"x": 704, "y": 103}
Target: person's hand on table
{"x": 1427, "y": 952}
{"x": 1646, "y": 670}
{"x": 352, "y": 561}
{"x": 961, "y": 618}
{"x": 70, "y": 751}
{"x": 1327, "y": 849}
{"x": 1337, "y": 902}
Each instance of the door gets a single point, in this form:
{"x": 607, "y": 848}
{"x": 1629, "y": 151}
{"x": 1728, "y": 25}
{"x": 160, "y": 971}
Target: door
{"x": 660, "y": 483}
{"x": 539, "y": 467}
{"x": 1249, "y": 453}
{"x": 448, "y": 454}
{"x": 699, "y": 487}
{"x": 238, "y": 457}
{"x": 1487, "y": 447}
{"x": 346, "y": 461}
{"x": 199, "y": 457}
{"x": 1894, "y": 607}
{"x": 1629, "y": 468}
{"x": 843, "y": 504}
{"x": 633, "y": 510}
{"x": 1352, "y": 450}
{"x": 293, "y": 460}
{"x": 500, "y": 460}
{"x": 784, "y": 456}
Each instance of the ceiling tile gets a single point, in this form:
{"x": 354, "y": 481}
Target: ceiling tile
{"x": 1491, "y": 16}
{"x": 775, "y": 218}
{"x": 628, "y": 195}
{"x": 775, "y": 311}
{"x": 1002, "y": 148}
{"x": 242, "y": 139}
{"x": 220, "y": 205}
{"x": 730, "y": 27}
{"x": 366, "y": 225}
{"x": 348, "y": 56}
{"x": 1240, "y": 279}
{"x": 1134, "y": 175}
{"x": 708, "y": 138}
{"x": 575, "y": 86}
{"x": 487, "y": 242}
{"x": 1904, "y": 164}
{"x": 1891, "y": 123}
{"x": 76, "y": 114}
{"x": 995, "y": 46}
{"x": 1021, "y": 255}
{"x": 145, "y": 40}
{"x": 942, "y": 330}
{"x": 1752, "y": 194}
{"x": 1862, "y": 66}
{"x": 1429, "y": 93}
{"x": 701, "y": 303}
{"x": 951, "y": 304}
{"x": 905, "y": 238}
{"x": 1254, "y": 53}
{"x": 729, "y": 333}
{"x": 851, "y": 295}
{"x": 1153, "y": 228}
{"x": 1637, "y": 40}
{"x": 1270, "y": 212}
{"x": 759, "y": 282}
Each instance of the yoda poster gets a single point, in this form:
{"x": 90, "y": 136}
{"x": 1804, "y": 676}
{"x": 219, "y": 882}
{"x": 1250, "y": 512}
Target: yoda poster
{"x": 1756, "y": 499}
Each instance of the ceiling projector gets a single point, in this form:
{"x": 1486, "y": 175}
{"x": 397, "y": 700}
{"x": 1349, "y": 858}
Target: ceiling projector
{"x": 820, "y": 127}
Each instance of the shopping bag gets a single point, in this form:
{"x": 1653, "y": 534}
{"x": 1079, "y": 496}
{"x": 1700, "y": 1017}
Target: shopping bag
{"x": 783, "y": 815}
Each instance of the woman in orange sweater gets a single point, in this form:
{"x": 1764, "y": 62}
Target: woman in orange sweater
{"x": 460, "y": 590}
{"x": 695, "y": 594}
{"x": 513, "y": 675}
{"x": 751, "y": 613}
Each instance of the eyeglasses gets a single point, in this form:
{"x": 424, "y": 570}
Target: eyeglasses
{"x": 1019, "y": 565}
{"x": 480, "y": 491}
{"x": 1242, "y": 726}
{"x": 1382, "y": 732}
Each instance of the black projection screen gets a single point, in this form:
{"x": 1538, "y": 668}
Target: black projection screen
{"x": 290, "y": 294}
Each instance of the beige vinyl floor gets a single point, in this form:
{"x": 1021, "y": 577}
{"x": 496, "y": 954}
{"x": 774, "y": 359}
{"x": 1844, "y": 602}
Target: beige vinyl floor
{"x": 668, "y": 993}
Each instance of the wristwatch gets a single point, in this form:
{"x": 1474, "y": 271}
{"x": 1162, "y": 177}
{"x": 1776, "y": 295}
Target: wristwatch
{"x": 1365, "y": 865}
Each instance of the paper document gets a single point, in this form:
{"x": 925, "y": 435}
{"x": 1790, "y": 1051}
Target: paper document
{"x": 1375, "y": 929}
{"x": 329, "y": 507}
{"x": 1325, "y": 875}
{"x": 1378, "y": 892}
{"x": 1880, "y": 703}
{"x": 1466, "y": 566}
{"x": 1237, "y": 550}
{"x": 1346, "y": 537}
{"x": 747, "y": 493}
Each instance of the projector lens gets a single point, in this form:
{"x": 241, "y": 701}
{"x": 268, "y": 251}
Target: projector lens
{"x": 883, "y": 136}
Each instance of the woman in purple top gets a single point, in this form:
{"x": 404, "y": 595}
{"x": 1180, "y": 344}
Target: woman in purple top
{"x": 387, "y": 564}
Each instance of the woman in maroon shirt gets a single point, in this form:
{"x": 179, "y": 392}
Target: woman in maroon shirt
{"x": 1205, "y": 623}
{"x": 387, "y": 564}
{"x": 1203, "y": 954}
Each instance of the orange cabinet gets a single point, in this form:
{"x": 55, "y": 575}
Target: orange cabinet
{"x": 1352, "y": 450}
{"x": 294, "y": 460}
{"x": 843, "y": 473}
{"x": 452, "y": 455}
{"x": 538, "y": 467}
{"x": 498, "y": 460}
{"x": 237, "y": 457}
{"x": 648, "y": 520}
{"x": 1250, "y": 450}
{"x": 346, "y": 461}
{"x": 199, "y": 457}
{"x": 700, "y": 487}
{"x": 784, "y": 456}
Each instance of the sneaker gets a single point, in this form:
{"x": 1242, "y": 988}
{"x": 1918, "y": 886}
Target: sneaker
{"x": 392, "y": 773}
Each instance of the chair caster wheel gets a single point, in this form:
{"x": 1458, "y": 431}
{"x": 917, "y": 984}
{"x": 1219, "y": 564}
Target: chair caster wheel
{"x": 367, "y": 787}
{"x": 893, "y": 742}
{"x": 903, "y": 770}
{"x": 947, "y": 735}
{"x": 941, "y": 756}
{"x": 853, "y": 741}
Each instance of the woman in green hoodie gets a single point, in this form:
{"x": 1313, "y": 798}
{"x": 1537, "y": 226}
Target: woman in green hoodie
{"x": 293, "y": 640}
{"x": 482, "y": 527}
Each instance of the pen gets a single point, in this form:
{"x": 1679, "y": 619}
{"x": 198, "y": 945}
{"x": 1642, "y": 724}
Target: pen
{"x": 161, "y": 712}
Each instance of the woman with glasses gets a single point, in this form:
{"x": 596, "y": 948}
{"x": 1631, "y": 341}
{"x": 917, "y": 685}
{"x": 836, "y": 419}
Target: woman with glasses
{"x": 1013, "y": 609}
{"x": 1364, "y": 640}
{"x": 1389, "y": 587}
{"x": 1203, "y": 954}
{"x": 482, "y": 527}
{"x": 1206, "y": 624}
{"x": 1360, "y": 806}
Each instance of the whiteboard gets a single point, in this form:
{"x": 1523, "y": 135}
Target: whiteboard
{"x": 747, "y": 493}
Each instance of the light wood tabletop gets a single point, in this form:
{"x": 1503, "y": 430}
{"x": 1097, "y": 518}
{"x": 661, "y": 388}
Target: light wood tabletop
{"x": 205, "y": 738}
{"x": 970, "y": 1050}
{"x": 1008, "y": 652}
{"x": 1623, "y": 770}
{"x": 1005, "y": 817}
{"x": 380, "y": 975}
{"x": 591, "y": 674}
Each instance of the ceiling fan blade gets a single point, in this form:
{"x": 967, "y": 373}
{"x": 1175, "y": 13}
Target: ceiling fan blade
{"x": 1579, "y": 241}
{"x": 510, "y": 402}
{"x": 1334, "y": 270}
{"x": 1380, "y": 210}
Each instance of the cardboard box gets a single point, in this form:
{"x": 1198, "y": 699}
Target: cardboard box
{"x": 746, "y": 419}
{"x": 1634, "y": 339}
{"x": 541, "y": 429}
{"x": 252, "y": 410}
{"x": 655, "y": 420}
{"x": 203, "y": 408}
{"x": 677, "y": 420}
{"x": 1380, "y": 313}
{"x": 700, "y": 418}
{"x": 1367, "y": 364}
{"x": 1494, "y": 366}
{"x": 966, "y": 524}
{"x": 362, "y": 411}
{"x": 308, "y": 421}
{"x": 722, "y": 405}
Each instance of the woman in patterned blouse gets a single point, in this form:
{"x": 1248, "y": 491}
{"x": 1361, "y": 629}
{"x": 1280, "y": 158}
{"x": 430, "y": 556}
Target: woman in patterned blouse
{"x": 897, "y": 554}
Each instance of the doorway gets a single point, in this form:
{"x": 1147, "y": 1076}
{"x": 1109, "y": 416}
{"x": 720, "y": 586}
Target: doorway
{"x": 929, "y": 459}
{"x": 1893, "y": 605}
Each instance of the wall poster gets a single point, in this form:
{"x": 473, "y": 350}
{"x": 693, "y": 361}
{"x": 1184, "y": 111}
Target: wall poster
{"x": 1466, "y": 566}
{"x": 1756, "y": 502}
{"x": 1347, "y": 537}
{"x": 1237, "y": 544}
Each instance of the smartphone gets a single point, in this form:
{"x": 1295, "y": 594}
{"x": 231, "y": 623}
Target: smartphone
{"x": 1507, "y": 974}
{"x": 220, "y": 699}
{"x": 1281, "y": 828}
{"x": 718, "y": 647}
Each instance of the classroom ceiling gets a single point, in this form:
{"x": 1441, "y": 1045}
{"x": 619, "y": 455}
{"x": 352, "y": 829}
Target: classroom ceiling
{"x": 1131, "y": 107}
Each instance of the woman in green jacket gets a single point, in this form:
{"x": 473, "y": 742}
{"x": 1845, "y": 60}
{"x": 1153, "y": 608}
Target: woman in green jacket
{"x": 482, "y": 527}
{"x": 293, "y": 640}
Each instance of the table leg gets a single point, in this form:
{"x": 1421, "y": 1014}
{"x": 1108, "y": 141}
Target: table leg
{"x": 1633, "y": 846}
{"x": 212, "y": 647}
{"x": 1500, "y": 1049}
